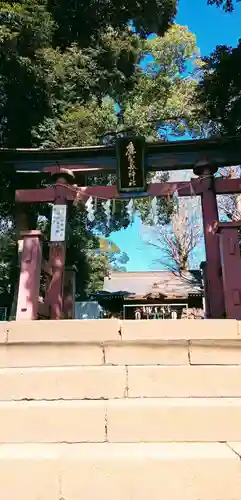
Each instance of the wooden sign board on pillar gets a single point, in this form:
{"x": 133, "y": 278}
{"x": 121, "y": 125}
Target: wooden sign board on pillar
{"x": 58, "y": 224}
{"x": 131, "y": 155}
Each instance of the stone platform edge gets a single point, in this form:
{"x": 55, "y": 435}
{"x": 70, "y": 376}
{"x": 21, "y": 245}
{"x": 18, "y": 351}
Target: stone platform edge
{"x": 115, "y": 330}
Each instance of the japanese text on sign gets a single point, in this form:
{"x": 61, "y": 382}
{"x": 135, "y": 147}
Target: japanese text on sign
{"x": 131, "y": 175}
{"x": 58, "y": 224}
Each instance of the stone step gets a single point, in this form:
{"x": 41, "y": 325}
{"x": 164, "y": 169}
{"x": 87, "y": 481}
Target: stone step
{"x": 180, "y": 329}
{"x": 110, "y": 382}
{"x": 120, "y": 352}
{"x": 107, "y": 330}
{"x": 20, "y": 355}
{"x": 121, "y": 421}
{"x": 147, "y": 352}
{"x": 120, "y": 472}
{"x": 183, "y": 381}
{"x": 66, "y": 383}
{"x": 215, "y": 352}
{"x": 173, "y": 420}
{"x": 70, "y": 331}
{"x": 52, "y": 422}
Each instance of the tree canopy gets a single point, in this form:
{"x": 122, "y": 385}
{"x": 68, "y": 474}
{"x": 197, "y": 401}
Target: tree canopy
{"x": 219, "y": 88}
{"x": 76, "y": 73}
{"x": 220, "y": 91}
{"x": 83, "y": 20}
{"x": 48, "y": 87}
{"x": 227, "y": 5}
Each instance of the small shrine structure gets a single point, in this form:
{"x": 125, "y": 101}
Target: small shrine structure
{"x": 155, "y": 294}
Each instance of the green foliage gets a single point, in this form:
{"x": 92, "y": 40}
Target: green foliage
{"x": 86, "y": 125}
{"x": 220, "y": 91}
{"x": 118, "y": 261}
{"x": 107, "y": 68}
{"x": 8, "y": 267}
{"x": 162, "y": 97}
{"x": 25, "y": 31}
{"x": 84, "y": 20}
{"x": 81, "y": 253}
{"x": 164, "y": 206}
{"x": 63, "y": 68}
{"x": 228, "y": 5}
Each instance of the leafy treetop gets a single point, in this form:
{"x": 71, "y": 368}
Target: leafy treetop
{"x": 228, "y": 5}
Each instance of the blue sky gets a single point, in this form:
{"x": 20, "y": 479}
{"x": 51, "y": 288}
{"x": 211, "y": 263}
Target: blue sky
{"x": 212, "y": 27}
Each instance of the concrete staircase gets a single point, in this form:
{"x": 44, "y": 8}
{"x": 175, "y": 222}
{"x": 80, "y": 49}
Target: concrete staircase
{"x": 93, "y": 410}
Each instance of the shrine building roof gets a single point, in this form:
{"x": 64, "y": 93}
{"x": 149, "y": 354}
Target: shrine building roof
{"x": 146, "y": 285}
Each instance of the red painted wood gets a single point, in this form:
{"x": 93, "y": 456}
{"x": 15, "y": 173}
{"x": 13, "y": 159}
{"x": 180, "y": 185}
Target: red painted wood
{"x": 235, "y": 223}
{"x": 222, "y": 186}
{"x": 69, "y": 294}
{"x": 29, "y": 281}
{"x": 54, "y": 293}
{"x": 227, "y": 186}
{"x": 49, "y": 194}
{"x": 156, "y": 189}
{"x": 85, "y": 168}
{"x": 231, "y": 270}
{"x": 213, "y": 267}
{"x": 46, "y": 195}
{"x": 194, "y": 187}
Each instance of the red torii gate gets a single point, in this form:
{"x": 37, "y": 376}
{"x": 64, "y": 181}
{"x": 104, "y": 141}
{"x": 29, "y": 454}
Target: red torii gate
{"x": 222, "y": 270}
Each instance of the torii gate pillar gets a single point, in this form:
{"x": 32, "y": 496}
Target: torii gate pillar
{"x": 213, "y": 269}
{"x": 231, "y": 268}
{"x": 31, "y": 261}
{"x": 29, "y": 281}
{"x": 54, "y": 293}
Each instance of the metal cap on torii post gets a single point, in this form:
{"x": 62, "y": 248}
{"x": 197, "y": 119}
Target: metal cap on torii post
{"x": 63, "y": 176}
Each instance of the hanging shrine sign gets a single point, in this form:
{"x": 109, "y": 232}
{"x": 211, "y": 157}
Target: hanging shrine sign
{"x": 130, "y": 154}
{"x": 58, "y": 224}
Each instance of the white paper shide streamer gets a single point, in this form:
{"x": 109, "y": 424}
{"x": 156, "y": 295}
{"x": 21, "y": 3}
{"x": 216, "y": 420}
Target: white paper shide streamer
{"x": 130, "y": 210}
{"x": 90, "y": 209}
{"x": 154, "y": 211}
{"x": 107, "y": 209}
{"x": 176, "y": 199}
